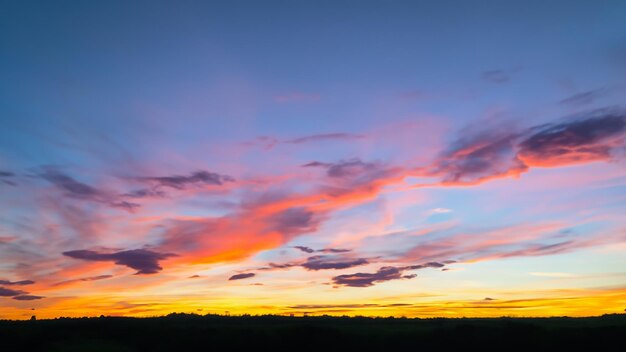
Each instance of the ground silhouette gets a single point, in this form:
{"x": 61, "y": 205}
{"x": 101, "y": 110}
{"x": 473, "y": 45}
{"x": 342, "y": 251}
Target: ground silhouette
{"x": 188, "y": 332}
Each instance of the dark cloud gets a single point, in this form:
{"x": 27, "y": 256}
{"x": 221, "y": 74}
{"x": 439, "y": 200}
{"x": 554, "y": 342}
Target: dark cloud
{"x": 7, "y": 292}
{"x": 479, "y": 158}
{"x": 305, "y": 249}
{"x": 383, "y": 274}
{"x": 275, "y": 266}
{"x": 589, "y": 139}
{"x": 323, "y": 262}
{"x": 241, "y": 276}
{"x": 129, "y": 206}
{"x": 323, "y": 250}
{"x": 333, "y": 250}
{"x": 197, "y": 178}
{"x": 4, "y": 178}
{"x": 145, "y": 193}
{"x": 324, "y": 137}
{"x": 345, "y": 168}
{"x": 502, "y": 153}
{"x": 83, "y": 279}
{"x": 76, "y": 189}
{"x": 142, "y": 260}
{"x": 71, "y": 186}
{"x": 27, "y": 297}
{"x": 317, "y": 164}
{"x": 19, "y": 283}
{"x": 368, "y": 279}
{"x": 294, "y": 221}
{"x": 584, "y": 98}
{"x": 355, "y": 175}
{"x": 488, "y": 299}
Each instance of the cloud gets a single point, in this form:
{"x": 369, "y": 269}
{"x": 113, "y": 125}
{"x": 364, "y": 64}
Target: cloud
{"x": 499, "y": 153}
{"x": 142, "y": 260}
{"x": 83, "y": 279}
{"x": 27, "y": 297}
{"x": 383, "y": 274}
{"x": 196, "y": 178}
{"x": 354, "y": 176}
{"x": 69, "y": 185}
{"x": 294, "y": 221}
{"x": 584, "y": 98}
{"x": 7, "y": 292}
{"x": 507, "y": 242}
{"x": 78, "y": 190}
{"x": 302, "y": 248}
{"x": 323, "y": 250}
{"x": 483, "y": 157}
{"x": 273, "y": 266}
{"x": 323, "y": 262}
{"x": 4, "y": 177}
{"x": 241, "y": 276}
{"x": 572, "y": 142}
{"x": 334, "y": 250}
{"x": 145, "y": 193}
{"x": 20, "y": 283}
{"x": 345, "y": 168}
{"x": 325, "y": 137}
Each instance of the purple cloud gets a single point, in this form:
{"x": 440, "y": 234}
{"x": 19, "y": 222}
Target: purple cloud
{"x": 305, "y": 249}
{"x": 241, "y": 276}
{"x": 323, "y": 262}
{"x": 324, "y": 250}
{"x": 78, "y": 190}
{"x": 27, "y": 297}
{"x": 142, "y": 260}
{"x": 383, "y": 274}
{"x": 7, "y": 292}
{"x": 196, "y": 178}
{"x": 294, "y": 221}
{"x": 592, "y": 138}
{"x": 19, "y": 283}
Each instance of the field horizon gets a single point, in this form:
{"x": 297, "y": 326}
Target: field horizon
{"x": 192, "y": 332}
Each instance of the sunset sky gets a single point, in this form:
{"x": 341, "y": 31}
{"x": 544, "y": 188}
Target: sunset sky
{"x": 407, "y": 158}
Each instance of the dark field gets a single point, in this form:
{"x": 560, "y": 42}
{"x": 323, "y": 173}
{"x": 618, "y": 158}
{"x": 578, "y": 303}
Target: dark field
{"x": 179, "y": 332}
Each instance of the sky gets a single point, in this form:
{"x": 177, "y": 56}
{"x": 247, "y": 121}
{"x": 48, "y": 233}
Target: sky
{"x": 405, "y": 158}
